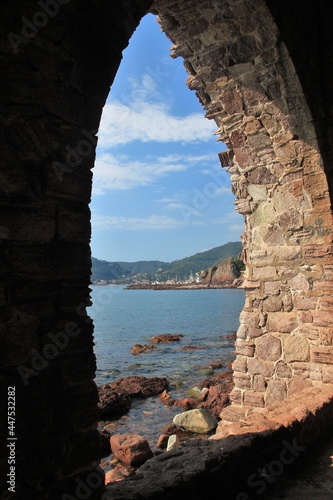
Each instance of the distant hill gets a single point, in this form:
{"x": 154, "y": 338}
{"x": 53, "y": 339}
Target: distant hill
{"x": 104, "y": 270}
{"x": 204, "y": 260}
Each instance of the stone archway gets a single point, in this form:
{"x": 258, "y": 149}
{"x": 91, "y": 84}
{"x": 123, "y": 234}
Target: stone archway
{"x": 59, "y": 59}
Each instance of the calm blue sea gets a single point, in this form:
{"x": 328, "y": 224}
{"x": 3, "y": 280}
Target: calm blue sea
{"x": 123, "y": 318}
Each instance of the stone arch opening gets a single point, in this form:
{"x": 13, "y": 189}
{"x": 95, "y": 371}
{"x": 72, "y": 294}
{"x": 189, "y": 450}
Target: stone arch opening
{"x": 57, "y": 69}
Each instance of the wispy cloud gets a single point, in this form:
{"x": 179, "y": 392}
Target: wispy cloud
{"x": 144, "y": 117}
{"x": 156, "y": 222}
{"x": 122, "y": 172}
{"x": 117, "y": 172}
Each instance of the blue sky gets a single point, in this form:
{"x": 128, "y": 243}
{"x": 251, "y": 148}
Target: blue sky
{"x": 159, "y": 192}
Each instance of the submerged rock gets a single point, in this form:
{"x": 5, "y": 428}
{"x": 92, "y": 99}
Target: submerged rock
{"x": 198, "y": 421}
{"x": 166, "y": 338}
{"x": 131, "y": 449}
{"x": 140, "y": 348}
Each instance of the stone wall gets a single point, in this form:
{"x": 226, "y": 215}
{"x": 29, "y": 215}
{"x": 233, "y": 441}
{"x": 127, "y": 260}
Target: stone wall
{"x": 246, "y": 81}
{"x": 58, "y": 60}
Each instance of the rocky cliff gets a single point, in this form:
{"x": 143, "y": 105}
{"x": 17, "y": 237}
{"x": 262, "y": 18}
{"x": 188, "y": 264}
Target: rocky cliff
{"x": 225, "y": 273}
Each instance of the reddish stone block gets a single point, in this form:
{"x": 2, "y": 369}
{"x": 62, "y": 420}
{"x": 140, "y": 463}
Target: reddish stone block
{"x": 268, "y": 348}
{"x": 276, "y": 391}
{"x": 244, "y": 348}
{"x": 254, "y": 398}
{"x": 323, "y": 318}
{"x": 322, "y": 355}
{"x": 284, "y": 322}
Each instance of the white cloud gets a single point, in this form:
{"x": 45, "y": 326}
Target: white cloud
{"x": 122, "y": 172}
{"x": 113, "y": 172}
{"x": 156, "y": 222}
{"x": 144, "y": 117}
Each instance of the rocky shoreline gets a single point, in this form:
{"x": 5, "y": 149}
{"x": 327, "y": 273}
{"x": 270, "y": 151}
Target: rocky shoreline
{"x": 198, "y": 417}
{"x": 192, "y": 286}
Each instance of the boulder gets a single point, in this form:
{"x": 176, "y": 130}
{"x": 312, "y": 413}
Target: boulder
{"x": 140, "y": 387}
{"x": 132, "y": 449}
{"x": 166, "y": 338}
{"x": 198, "y": 421}
{"x": 140, "y": 348}
{"x": 112, "y": 404}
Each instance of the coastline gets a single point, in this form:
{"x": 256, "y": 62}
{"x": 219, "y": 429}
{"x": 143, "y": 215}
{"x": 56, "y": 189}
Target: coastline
{"x": 192, "y": 286}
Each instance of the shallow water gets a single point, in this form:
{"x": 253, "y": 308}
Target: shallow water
{"x": 123, "y": 318}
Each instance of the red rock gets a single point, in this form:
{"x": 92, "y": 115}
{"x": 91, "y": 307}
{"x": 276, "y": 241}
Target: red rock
{"x": 173, "y": 429}
{"x": 162, "y": 441}
{"x": 140, "y": 348}
{"x": 217, "y": 399}
{"x": 112, "y": 404}
{"x": 188, "y": 403}
{"x": 131, "y": 449}
{"x": 140, "y": 387}
{"x": 166, "y": 338}
{"x": 166, "y": 398}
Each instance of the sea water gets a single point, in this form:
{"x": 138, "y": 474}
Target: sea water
{"x": 123, "y": 318}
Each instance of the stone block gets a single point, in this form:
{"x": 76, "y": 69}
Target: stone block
{"x": 240, "y": 364}
{"x": 283, "y": 370}
{"x": 296, "y": 348}
{"x": 259, "y": 273}
{"x": 268, "y": 348}
{"x": 249, "y": 318}
{"x": 298, "y": 384}
{"x": 242, "y": 380}
{"x": 322, "y": 355}
{"x": 255, "y": 332}
{"x": 305, "y": 302}
{"x": 299, "y": 283}
{"x": 242, "y": 332}
{"x": 254, "y": 398}
{"x": 244, "y": 348}
{"x": 327, "y": 376}
{"x": 326, "y": 338}
{"x": 283, "y": 322}
{"x": 326, "y": 302}
{"x": 276, "y": 391}
{"x": 323, "y": 318}
{"x": 259, "y": 383}
{"x": 272, "y": 304}
{"x": 305, "y": 316}
{"x": 257, "y": 367}
{"x": 272, "y": 287}
{"x": 235, "y": 396}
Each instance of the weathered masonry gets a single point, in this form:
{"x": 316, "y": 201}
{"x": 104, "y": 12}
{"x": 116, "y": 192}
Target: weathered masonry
{"x": 262, "y": 69}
